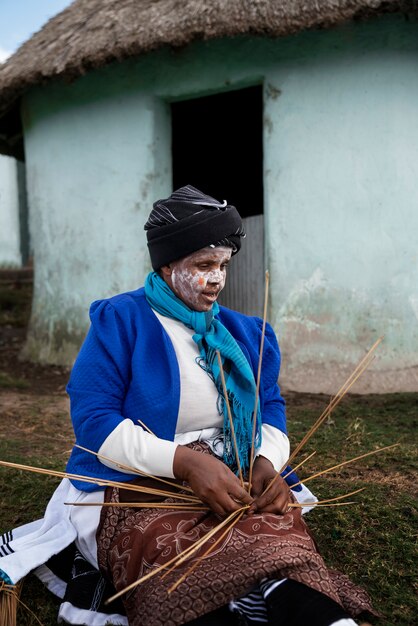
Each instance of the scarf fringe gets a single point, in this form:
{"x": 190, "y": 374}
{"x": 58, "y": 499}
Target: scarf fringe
{"x": 243, "y": 426}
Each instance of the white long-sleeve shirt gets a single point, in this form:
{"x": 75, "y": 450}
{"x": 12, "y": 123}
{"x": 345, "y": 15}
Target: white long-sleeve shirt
{"x": 198, "y": 418}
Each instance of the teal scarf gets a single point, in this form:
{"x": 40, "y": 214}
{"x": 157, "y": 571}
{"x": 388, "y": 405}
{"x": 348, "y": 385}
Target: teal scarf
{"x": 210, "y": 336}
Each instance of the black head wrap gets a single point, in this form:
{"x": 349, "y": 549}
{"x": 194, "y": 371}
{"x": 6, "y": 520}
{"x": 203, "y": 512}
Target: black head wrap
{"x": 190, "y": 220}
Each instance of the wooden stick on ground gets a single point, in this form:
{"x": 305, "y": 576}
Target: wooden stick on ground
{"x": 257, "y": 391}
{"x": 231, "y": 422}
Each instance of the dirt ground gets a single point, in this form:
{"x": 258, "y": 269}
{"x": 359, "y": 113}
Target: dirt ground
{"x": 32, "y": 397}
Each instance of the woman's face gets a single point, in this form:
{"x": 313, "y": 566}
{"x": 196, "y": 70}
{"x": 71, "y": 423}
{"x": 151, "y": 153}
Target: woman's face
{"x": 198, "y": 278}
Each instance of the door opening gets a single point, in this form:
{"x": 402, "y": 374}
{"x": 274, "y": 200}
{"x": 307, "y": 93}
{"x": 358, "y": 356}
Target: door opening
{"x": 217, "y": 146}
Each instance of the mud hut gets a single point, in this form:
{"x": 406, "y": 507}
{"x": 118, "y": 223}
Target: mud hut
{"x": 301, "y": 113}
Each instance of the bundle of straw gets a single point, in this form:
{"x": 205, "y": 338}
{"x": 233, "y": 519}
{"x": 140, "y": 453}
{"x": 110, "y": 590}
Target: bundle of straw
{"x": 9, "y": 599}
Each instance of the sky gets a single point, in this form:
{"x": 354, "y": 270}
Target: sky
{"x": 19, "y": 19}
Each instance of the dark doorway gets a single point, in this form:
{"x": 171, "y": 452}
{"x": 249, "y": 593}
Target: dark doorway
{"x": 217, "y": 146}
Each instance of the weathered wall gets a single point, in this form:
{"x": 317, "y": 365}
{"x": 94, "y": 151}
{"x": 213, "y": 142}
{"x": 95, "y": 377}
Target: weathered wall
{"x": 342, "y": 206}
{"x": 93, "y": 168}
{"x": 9, "y": 214}
{"x": 340, "y": 162}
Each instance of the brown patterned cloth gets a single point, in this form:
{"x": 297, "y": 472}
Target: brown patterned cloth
{"x": 131, "y": 542}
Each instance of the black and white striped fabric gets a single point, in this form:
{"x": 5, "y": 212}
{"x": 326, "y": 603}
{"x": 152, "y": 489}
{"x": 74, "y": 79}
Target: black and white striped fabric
{"x": 5, "y": 547}
{"x": 252, "y": 607}
{"x": 83, "y": 592}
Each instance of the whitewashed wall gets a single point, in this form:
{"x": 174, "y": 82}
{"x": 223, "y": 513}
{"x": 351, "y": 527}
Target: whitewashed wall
{"x": 340, "y": 171}
{"x": 10, "y": 255}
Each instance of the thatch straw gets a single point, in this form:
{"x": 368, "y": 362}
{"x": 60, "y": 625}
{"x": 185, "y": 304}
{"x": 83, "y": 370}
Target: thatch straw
{"x": 9, "y": 598}
{"x": 93, "y": 33}
{"x": 9, "y": 603}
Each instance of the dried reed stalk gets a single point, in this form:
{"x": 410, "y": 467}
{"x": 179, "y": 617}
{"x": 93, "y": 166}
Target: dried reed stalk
{"x": 296, "y": 505}
{"x": 356, "y": 458}
{"x": 231, "y": 422}
{"x": 362, "y": 365}
{"x": 145, "y": 427}
{"x": 299, "y": 464}
{"x": 134, "y": 470}
{"x": 101, "y": 482}
{"x": 183, "y": 506}
{"x": 328, "y": 500}
{"x": 179, "y": 558}
{"x": 208, "y": 551}
{"x": 257, "y": 390}
{"x": 173, "y": 567}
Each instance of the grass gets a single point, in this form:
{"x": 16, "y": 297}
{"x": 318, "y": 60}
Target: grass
{"x": 12, "y": 382}
{"x": 15, "y": 302}
{"x": 372, "y": 542}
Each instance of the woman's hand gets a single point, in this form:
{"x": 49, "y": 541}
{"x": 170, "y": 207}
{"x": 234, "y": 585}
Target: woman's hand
{"x": 211, "y": 480}
{"x": 277, "y": 498}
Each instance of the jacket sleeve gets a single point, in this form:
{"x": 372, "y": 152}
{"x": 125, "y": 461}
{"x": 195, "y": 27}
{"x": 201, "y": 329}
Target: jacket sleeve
{"x": 99, "y": 379}
{"x": 97, "y": 390}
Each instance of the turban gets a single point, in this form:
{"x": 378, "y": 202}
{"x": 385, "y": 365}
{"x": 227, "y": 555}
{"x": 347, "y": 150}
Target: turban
{"x": 190, "y": 220}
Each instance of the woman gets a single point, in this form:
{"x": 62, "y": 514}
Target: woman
{"x": 147, "y": 395}
{"x": 150, "y": 359}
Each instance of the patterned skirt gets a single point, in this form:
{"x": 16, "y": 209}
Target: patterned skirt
{"x": 132, "y": 542}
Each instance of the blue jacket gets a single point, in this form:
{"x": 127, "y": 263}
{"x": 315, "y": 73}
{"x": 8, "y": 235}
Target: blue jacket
{"x": 127, "y": 368}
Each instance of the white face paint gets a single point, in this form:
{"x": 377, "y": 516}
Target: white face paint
{"x": 198, "y": 279}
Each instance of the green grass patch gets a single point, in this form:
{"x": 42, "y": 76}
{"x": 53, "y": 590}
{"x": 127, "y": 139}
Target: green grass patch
{"x": 11, "y": 382}
{"x": 373, "y": 542}
{"x": 15, "y": 305}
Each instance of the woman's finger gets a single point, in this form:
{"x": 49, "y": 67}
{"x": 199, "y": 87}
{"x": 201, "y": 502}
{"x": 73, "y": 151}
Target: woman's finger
{"x": 277, "y": 495}
{"x": 241, "y": 495}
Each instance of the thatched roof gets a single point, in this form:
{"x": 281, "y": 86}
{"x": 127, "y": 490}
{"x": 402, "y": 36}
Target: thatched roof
{"x": 92, "y": 33}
